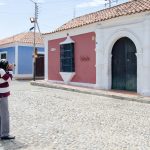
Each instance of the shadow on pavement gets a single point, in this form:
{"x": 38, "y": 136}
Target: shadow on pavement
{"x": 12, "y": 145}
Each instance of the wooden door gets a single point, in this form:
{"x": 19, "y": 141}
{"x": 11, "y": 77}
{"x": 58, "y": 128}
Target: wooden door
{"x": 131, "y": 66}
{"x": 40, "y": 66}
{"x": 124, "y": 65}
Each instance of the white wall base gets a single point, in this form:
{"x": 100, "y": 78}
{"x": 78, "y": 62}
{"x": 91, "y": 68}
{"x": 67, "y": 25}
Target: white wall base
{"x": 74, "y": 83}
{"x": 23, "y": 76}
{"x": 55, "y": 81}
{"x": 145, "y": 93}
{"x": 82, "y": 84}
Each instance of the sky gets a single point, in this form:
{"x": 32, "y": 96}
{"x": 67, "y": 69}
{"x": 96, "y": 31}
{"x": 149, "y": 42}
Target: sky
{"x": 15, "y": 14}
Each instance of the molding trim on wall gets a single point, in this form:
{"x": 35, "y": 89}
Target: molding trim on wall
{"x": 67, "y": 76}
{"x": 8, "y": 45}
{"x": 123, "y": 21}
{"x": 72, "y": 32}
{"x": 30, "y": 44}
{"x": 20, "y": 44}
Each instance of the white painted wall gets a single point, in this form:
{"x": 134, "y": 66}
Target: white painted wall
{"x": 46, "y": 59}
{"x": 135, "y": 27}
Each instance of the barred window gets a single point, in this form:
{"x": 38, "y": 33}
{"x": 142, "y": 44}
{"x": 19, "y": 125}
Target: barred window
{"x": 3, "y": 55}
{"x": 67, "y": 58}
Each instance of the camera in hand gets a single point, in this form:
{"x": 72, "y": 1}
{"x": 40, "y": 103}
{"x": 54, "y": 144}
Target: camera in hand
{"x": 4, "y": 64}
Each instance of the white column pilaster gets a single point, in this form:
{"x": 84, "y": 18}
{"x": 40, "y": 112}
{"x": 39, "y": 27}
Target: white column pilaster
{"x": 139, "y": 71}
{"x": 46, "y": 58}
{"x": 146, "y": 58}
{"x": 99, "y": 59}
{"x": 16, "y": 59}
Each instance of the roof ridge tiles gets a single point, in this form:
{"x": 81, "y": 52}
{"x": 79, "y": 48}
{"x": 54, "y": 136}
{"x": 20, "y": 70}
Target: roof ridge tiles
{"x": 24, "y": 37}
{"x": 127, "y": 8}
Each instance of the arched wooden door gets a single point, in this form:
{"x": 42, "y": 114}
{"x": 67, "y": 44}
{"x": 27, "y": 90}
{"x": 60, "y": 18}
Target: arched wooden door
{"x": 124, "y": 65}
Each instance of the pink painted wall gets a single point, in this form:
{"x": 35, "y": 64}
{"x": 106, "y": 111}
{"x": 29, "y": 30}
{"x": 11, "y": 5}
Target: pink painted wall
{"x": 54, "y": 60}
{"x": 85, "y": 58}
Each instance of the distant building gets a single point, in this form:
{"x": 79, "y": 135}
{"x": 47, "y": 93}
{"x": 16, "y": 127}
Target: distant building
{"x": 107, "y": 49}
{"x": 18, "y": 49}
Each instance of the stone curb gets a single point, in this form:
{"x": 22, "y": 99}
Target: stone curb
{"x": 140, "y": 99}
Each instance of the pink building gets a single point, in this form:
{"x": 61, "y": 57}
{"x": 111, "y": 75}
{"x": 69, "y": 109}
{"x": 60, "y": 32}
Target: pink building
{"x": 108, "y": 49}
{"x": 84, "y": 58}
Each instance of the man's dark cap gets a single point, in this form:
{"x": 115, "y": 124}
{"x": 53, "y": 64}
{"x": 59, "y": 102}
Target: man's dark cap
{"x": 3, "y": 64}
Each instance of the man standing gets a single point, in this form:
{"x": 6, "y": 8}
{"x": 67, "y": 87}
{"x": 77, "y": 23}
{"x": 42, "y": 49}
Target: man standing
{"x": 5, "y": 78}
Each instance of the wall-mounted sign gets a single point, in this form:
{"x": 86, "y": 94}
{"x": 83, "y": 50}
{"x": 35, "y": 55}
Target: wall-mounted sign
{"x": 53, "y": 49}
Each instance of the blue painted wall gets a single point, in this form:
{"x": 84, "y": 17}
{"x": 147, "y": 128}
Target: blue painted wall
{"x": 25, "y": 59}
{"x": 10, "y": 53}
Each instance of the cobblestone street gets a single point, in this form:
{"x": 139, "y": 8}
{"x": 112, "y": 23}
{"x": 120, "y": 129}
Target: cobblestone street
{"x": 52, "y": 119}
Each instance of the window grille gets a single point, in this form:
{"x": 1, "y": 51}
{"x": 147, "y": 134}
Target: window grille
{"x": 67, "y": 57}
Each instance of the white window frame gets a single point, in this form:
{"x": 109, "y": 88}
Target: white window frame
{"x": 4, "y": 52}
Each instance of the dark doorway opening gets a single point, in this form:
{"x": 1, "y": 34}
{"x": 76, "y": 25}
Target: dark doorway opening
{"x": 124, "y": 65}
{"x": 40, "y": 66}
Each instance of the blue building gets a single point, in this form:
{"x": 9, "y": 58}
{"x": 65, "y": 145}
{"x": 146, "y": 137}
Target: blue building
{"x": 19, "y": 49}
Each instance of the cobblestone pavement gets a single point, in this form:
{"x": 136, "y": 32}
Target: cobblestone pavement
{"x": 52, "y": 119}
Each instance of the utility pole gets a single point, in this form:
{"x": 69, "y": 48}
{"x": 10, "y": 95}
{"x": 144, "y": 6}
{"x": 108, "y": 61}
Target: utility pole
{"x": 74, "y": 12}
{"x": 34, "y": 20}
{"x": 109, "y": 2}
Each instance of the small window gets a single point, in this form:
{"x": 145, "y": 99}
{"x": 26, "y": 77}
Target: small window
{"x": 67, "y": 58}
{"x": 3, "y": 55}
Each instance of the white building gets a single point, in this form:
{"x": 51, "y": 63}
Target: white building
{"x": 122, "y": 46}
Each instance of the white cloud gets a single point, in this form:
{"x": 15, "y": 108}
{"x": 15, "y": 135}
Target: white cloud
{"x": 38, "y": 1}
{"x": 1, "y": 3}
{"x": 92, "y": 3}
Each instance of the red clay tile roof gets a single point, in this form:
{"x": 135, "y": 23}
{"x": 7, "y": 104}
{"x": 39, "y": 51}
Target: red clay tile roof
{"x": 27, "y": 37}
{"x": 128, "y": 8}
